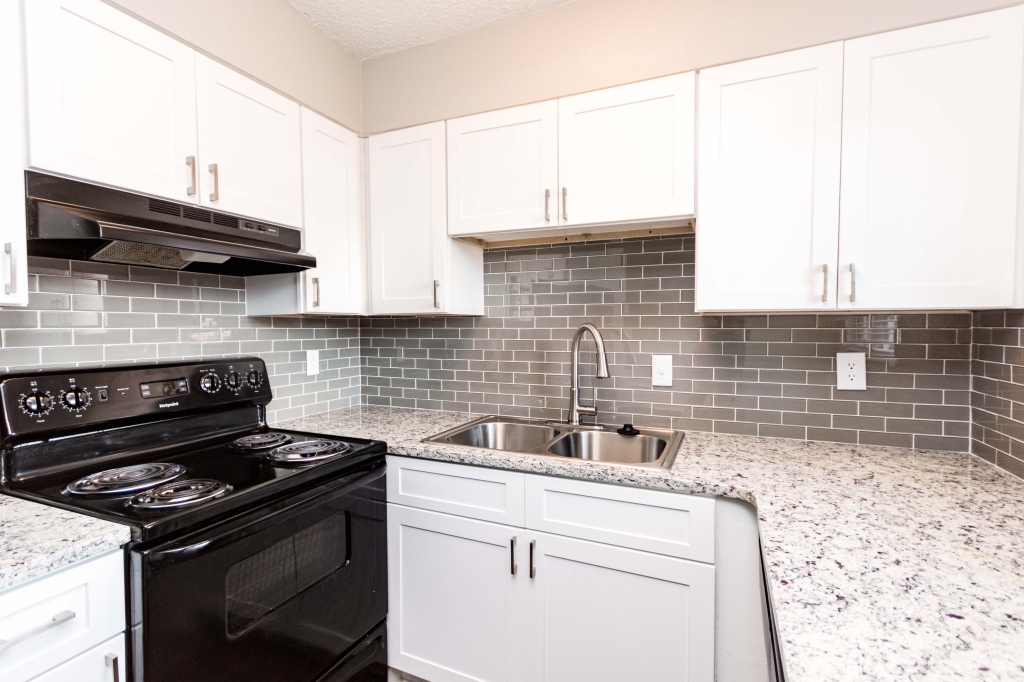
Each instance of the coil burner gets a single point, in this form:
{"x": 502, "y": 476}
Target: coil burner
{"x": 308, "y": 451}
{"x": 126, "y": 480}
{"x": 177, "y": 494}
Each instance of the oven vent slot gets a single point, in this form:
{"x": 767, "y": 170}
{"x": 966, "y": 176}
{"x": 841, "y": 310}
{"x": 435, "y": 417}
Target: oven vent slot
{"x": 197, "y": 214}
{"x": 165, "y": 207}
{"x": 225, "y": 220}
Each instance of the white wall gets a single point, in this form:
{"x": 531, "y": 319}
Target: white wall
{"x": 270, "y": 41}
{"x": 593, "y": 44}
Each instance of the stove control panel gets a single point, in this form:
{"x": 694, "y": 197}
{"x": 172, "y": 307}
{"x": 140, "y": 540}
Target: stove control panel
{"x": 59, "y": 400}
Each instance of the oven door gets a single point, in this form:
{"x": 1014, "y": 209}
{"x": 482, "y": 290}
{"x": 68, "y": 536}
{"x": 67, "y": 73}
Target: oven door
{"x": 278, "y": 594}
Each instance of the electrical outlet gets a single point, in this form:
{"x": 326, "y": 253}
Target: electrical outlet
{"x": 312, "y": 363}
{"x": 851, "y": 372}
{"x": 661, "y": 370}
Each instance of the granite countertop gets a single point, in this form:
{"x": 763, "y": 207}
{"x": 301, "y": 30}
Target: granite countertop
{"x": 36, "y": 539}
{"x": 883, "y": 563}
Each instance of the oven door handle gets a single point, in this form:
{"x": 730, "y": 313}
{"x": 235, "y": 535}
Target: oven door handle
{"x": 176, "y": 552}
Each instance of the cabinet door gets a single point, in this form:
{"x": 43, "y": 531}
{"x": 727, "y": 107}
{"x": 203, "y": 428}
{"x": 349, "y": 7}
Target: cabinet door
{"x": 503, "y": 170}
{"x": 95, "y": 665}
{"x": 407, "y": 220}
{"x": 770, "y": 134}
{"x": 596, "y": 612}
{"x": 931, "y": 128}
{"x": 626, "y": 153}
{"x": 332, "y": 225}
{"x": 457, "y": 605}
{"x": 111, "y": 100}
{"x": 13, "y": 271}
{"x": 249, "y": 137}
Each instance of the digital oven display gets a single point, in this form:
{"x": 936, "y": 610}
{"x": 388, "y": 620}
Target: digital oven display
{"x": 163, "y": 389}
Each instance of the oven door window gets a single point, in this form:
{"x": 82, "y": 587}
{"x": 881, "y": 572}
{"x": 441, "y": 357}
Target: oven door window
{"x": 258, "y": 584}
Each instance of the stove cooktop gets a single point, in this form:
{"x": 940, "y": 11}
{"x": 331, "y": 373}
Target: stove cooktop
{"x": 196, "y": 483}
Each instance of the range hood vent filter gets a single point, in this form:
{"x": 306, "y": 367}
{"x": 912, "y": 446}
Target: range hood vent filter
{"x": 150, "y": 255}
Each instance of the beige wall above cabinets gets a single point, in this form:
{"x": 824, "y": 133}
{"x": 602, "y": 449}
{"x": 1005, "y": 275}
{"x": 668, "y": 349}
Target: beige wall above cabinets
{"x": 594, "y": 44}
{"x": 270, "y": 41}
{"x": 925, "y": 215}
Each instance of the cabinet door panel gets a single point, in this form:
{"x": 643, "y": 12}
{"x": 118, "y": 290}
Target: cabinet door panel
{"x": 596, "y": 612}
{"x": 503, "y": 170}
{"x": 407, "y": 219}
{"x": 13, "y": 270}
{"x": 332, "y": 228}
{"x": 111, "y": 100}
{"x": 456, "y": 610}
{"x": 253, "y": 136}
{"x": 770, "y": 132}
{"x": 627, "y": 153}
{"x": 931, "y": 142}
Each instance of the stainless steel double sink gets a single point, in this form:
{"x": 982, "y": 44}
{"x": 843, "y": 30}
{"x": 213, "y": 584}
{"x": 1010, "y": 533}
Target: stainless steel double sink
{"x": 647, "y": 448}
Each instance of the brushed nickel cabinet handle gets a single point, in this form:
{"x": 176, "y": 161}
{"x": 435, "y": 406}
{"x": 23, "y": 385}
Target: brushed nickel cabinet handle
{"x": 111, "y": 661}
{"x": 215, "y": 195}
{"x": 824, "y": 292}
{"x": 547, "y": 205}
{"x": 853, "y": 283}
{"x": 316, "y": 292}
{"x": 565, "y": 203}
{"x": 515, "y": 567}
{"x": 191, "y": 162}
{"x": 12, "y": 285}
{"x": 533, "y": 569}
{"x": 437, "y": 283}
{"x": 59, "y": 619}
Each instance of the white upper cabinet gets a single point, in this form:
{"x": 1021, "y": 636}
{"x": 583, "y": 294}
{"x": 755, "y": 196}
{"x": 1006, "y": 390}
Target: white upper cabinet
{"x": 13, "y": 270}
{"x": 770, "y": 135}
{"x": 333, "y": 226}
{"x": 503, "y": 170}
{"x": 415, "y": 266}
{"x": 111, "y": 100}
{"x": 931, "y": 146}
{"x": 626, "y": 154}
{"x": 250, "y": 139}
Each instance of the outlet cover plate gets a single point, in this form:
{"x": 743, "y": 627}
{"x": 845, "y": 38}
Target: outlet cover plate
{"x": 661, "y": 370}
{"x": 851, "y": 372}
{"x": 312, "y": 363}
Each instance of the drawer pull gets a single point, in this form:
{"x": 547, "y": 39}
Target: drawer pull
{"x": 515, "y": 566}
{"x": 59, "y": 619}
{"x": 111, "y": 660}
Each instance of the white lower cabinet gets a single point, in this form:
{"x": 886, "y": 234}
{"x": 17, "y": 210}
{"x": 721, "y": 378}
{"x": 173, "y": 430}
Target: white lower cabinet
{"x": 598, "y": 612}
{"x": 457, "y": 606}
{"x": 102, "y": 663}
{"x": 61, "y": 617}
{"x": 483, "y": 601}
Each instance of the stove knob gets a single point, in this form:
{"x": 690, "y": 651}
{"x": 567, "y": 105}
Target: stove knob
{"x": 254, "y": 379}
{"x": 233, "y": 381}
{"x": 37, "y": 403}
{"x": 76, "y": 399}
{"x": 209, "y": 383}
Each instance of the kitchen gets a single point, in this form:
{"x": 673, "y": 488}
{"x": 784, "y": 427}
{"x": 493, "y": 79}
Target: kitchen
{"x": 776, "y": 252}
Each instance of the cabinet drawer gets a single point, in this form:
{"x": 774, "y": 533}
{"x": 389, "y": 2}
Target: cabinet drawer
{"x": 648, "y": 520}
{"x": 95, "y": 665}
{"x": 485, "y": 494}
{"x": 68, "y": 612}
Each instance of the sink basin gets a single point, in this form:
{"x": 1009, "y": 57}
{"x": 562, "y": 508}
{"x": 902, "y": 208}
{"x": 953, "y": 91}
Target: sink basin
{"x": 650, "y": 448}
{"x": 509, "y": 436}
{"x": 608, "y": 446}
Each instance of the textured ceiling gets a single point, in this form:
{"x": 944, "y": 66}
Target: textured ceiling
{"x": 371, "y": 28}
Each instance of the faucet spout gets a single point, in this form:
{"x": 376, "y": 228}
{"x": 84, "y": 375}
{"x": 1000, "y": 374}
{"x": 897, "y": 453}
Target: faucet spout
{"x": 577, "y": 411}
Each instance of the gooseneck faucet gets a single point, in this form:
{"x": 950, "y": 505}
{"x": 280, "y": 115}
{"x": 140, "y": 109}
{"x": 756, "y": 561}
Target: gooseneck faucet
{"x": 577, "y": 411}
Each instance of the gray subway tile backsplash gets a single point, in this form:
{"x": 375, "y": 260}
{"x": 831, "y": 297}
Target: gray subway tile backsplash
{"x": 762, "y": 374}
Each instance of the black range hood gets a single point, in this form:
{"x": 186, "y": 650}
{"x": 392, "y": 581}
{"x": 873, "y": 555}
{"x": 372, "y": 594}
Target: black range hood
{"x": 79, "y": 221}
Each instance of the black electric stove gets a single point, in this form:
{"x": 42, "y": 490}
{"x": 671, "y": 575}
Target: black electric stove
{"x": 262, "y": 549}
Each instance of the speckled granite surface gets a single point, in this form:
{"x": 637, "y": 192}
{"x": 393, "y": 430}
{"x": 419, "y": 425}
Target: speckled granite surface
{"x": 36, "y": 539}
{"x": 884, "y": 563}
